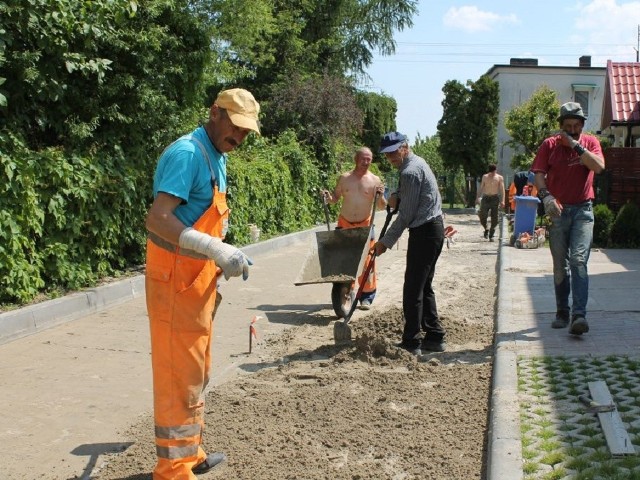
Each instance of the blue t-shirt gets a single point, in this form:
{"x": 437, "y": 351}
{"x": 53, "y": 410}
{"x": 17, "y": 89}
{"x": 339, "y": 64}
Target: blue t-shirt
{"x": 185, "y": 172}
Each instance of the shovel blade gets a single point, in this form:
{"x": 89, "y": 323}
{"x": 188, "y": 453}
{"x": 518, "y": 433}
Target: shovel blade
{"x": 341, "y": 332}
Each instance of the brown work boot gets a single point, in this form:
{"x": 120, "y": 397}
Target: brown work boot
{"x": 579, "y": 325}
{"x": 561, "y": 320}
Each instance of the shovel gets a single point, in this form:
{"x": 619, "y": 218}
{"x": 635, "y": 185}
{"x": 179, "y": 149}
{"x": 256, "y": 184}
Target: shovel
{"x": 326, "y": 212}
{"x": 341, "y": 328}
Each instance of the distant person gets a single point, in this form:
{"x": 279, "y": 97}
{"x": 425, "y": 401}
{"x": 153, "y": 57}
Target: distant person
{"x": 564, "y": 167}
{"x": 523, "y": 184}
{"x": 419, "y": 210}
{"x": 357, "y": 188}
{"x": 187, "y": 223}
{"x": 490, "y": 197}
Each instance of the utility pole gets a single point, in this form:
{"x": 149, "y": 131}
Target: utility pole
{"x": 637, "y": 49}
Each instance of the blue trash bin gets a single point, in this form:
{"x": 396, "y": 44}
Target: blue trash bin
{"x": 526, "y": 211}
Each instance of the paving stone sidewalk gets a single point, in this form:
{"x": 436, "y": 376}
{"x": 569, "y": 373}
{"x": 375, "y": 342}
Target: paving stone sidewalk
{"x": 526, "y": 307}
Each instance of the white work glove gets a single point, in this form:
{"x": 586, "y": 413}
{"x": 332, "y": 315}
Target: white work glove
{"x": 551, "y": 206}
{"x": 230, "y": 259}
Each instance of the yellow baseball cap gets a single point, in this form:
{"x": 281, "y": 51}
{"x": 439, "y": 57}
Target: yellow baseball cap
{"x": 241, "y": 107}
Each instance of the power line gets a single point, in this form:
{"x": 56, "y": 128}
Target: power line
{"x": 479, "y": 54}
{"x": 454, "y": 44}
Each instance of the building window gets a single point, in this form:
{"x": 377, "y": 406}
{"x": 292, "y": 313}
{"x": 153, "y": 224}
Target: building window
{"x": 582, "y": 97}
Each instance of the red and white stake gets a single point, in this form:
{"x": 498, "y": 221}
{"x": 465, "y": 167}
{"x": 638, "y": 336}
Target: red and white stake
{"x": 252, "y": 332}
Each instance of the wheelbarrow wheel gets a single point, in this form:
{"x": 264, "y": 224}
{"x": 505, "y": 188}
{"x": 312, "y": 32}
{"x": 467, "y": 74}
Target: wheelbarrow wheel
{"x": 342, "y": 297}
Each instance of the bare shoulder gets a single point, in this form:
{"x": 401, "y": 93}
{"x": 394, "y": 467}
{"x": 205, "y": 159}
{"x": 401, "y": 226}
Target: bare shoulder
{"x": 344, "y": 177}
{"x": 374, "y": 177}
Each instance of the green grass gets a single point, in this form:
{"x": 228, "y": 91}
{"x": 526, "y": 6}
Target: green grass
{"x": 553, "y": 458}
{"x": 556, "y": 430}
{"x": 555, "y": 475}
{"x": 578, "y": 464}
{"x": 530, "y": 467}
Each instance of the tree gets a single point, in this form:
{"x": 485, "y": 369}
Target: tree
{"x": 322, "y": 110}
{"x": 93, "y": 90}
{"x": 304, "y": 37}
{"x": 529, "y": 124}
{"x": 467, "y": 128}
{"x": 429, "y": 149}
{"x": 379, "y": 118}
{"x": 102, "y": 74}
{"x": 482, "y": 115}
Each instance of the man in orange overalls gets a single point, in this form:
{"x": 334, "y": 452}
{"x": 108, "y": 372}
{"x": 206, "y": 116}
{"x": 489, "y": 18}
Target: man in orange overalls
{"x": 187, "y": 223}
{"x": 358, "y": 188}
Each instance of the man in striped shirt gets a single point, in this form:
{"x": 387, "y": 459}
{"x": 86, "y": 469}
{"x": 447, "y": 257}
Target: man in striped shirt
{"x": 420, "y": 210}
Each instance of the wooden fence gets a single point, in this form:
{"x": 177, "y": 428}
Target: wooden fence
{"x": 620, "y": 182}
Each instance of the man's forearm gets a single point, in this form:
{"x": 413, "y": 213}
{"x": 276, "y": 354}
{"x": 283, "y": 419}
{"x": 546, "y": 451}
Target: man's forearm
{"x": 592, "y": 161}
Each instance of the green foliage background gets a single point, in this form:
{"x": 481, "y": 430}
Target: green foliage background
{"x": 603, "y": 221}
{"x": 529, "y": 124}
{"x": 279, "y": 183}
{"x": 625, "y": 231}
{"x": 467, "y": 129}
{"x": 91, "y": 92}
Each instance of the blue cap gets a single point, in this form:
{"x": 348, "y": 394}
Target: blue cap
{"x": 392, "y": 141}
{"x": 531, "y": 177}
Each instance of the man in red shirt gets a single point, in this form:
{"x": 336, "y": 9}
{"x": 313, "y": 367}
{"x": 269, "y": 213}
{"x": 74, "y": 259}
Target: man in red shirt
{"x": 564, "y": 167}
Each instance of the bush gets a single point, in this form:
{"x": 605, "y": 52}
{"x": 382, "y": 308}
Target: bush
{"x": 603, "y": 221}
{"x": 625, "y": 231}
{"x": 273, "y": 184}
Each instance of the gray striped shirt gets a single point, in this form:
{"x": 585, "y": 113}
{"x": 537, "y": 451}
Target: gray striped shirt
{"x": 419, "y": 196}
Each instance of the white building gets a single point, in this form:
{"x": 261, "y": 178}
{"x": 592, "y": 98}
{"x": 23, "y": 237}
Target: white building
{"x": 523, "y": 76}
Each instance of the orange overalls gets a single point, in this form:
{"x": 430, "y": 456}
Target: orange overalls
{"x": 181, "y": 293}
{"x": 370, "y": 284}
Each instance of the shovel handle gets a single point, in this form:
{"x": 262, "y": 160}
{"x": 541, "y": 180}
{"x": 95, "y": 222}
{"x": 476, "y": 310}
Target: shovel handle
{"x": 326, "y": 210}
{"x": 367, "y": 271}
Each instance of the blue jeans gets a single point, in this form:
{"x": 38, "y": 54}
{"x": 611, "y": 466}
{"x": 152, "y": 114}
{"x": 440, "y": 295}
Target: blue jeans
{"x": 570, "y": 238}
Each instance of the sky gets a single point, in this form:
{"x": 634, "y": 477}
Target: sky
{"x": 462, "y": 40}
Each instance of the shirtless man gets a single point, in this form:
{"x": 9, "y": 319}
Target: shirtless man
{"x": 490, "y": 195}
{"x": 357, "y": 188}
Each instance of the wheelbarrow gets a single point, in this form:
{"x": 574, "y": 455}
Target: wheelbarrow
{"x": 337, "y": 258}
{"x": 341, "y": 328}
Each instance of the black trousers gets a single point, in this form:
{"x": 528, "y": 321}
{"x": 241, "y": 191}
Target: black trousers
{"x": 418, "y": 299}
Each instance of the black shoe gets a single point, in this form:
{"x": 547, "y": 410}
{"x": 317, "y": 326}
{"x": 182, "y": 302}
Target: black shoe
{"x": 213, "y": 460}
{"x": 433, "y": 346}
{"x": 561, "y": 320}
{"x": 491, "y": 234}
{"x": 486, "y": 233}
{"x": 411, "y": 349}
{"x": 578, "y": 325}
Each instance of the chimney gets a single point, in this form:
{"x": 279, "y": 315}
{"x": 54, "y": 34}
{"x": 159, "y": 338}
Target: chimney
{"x": 529, "y": 62}
{"x": 585, "y": 61}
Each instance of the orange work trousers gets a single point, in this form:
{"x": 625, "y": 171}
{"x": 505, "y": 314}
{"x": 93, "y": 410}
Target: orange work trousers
{"x": 181, "y": 295}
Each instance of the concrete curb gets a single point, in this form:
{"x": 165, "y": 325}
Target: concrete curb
{"x": 41, "y": 316}
{"x": 36, "y": 318}
{"x": 504, "y": 458}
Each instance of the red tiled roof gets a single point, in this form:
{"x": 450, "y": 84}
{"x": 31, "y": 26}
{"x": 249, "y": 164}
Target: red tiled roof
{"x": 623, "y": 88}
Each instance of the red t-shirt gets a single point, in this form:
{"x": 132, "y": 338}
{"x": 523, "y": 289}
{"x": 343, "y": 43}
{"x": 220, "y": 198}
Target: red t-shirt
{"x": 567, "y": 180}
